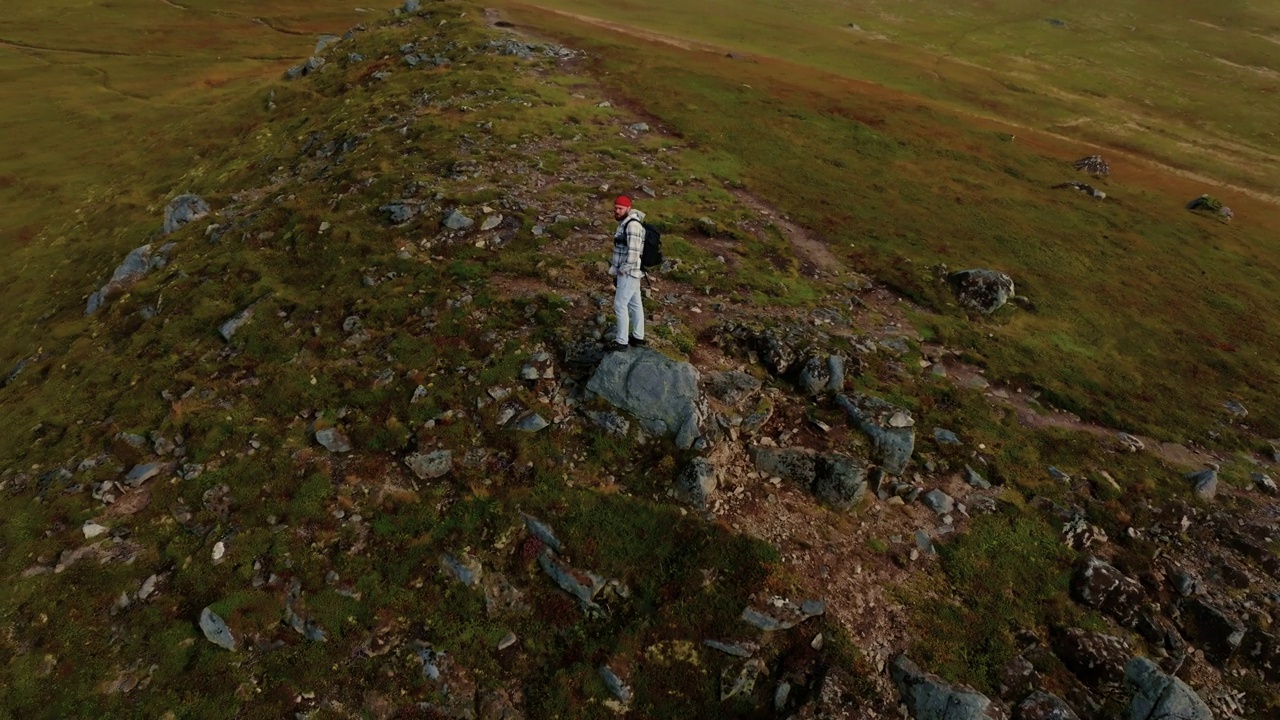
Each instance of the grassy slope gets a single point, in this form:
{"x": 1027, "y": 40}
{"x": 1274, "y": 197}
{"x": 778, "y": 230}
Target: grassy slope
{"x": 1191, "y": 86}
{"x": 1146, "y": 315}
{"x": 113, "y": 114}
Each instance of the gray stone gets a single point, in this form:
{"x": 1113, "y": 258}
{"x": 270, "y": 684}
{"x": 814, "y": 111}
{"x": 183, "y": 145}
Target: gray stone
{"x": 142, "y": 473}
{"x": 610, "y": 422}
{"x": 333, "y": 440}
{"x": 431, "y": 465}
{"x": 543, "y": 532}
{"x": 312, "y": 64}
{"x": 1043, "y": 706}
{"x": 835, "y": 372}
{"x": 1158, "y": 696}
{"x": 491, "y": 222}
{"x": 615, "y": 684}
{"x": 728, "y": 648}
{"x": 661, "y": 393}
{"x": 797, "y": 465}
{"x": 945, "y": 437}
{"x": 813, "y": 376}
{"x": 1204, "y": 483}
{"x": 216, "y": 631}
{"x": 972, "y": 477}
{"x": 229, "y": 328}
{"x": 531, "y": 423}
{"x": 182, "y": 210}
{"x": 640, "y": 127}
{"x": 581, "y": 584}
{"x": 400, "y": 212}
{"x": 1264, "y": 483}
{"x": 293, "y": 73}
{"x": 132, "y": 269}
{"x": 982, "y": 290}
{"x": 466, "y": 570}
{"x": 455, "y": 220}
{"x": 891, "y": 446}
{"x": 938, "y": 501}
{"x": 411, "y": 6}
{"x": 1058, "y": 475}
{"x": 928, "y": 697}
{"x": 838, "y": 481}
{"x": 324, "y": 42}
{"x": 696, "y": 482}
{"x": 1235, "y": 408}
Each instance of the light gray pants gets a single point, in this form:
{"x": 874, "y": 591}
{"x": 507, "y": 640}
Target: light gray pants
{"x": 628, "y": 305}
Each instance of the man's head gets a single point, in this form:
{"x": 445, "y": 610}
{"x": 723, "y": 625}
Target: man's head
{"x": 621, "y": 207}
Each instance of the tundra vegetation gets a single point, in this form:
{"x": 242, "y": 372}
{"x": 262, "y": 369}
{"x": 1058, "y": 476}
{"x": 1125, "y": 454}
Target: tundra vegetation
{"x": 327, "y": 448}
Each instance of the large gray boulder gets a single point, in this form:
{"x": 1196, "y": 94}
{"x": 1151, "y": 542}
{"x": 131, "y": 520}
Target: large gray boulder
{"x": 1160, "y": 697}
{"x": 928, "y": 697}
{"x": 660, "y": 392}
{"x": 890, "y": 429}
{"x": 982, "y": 290}
{"x": 182, "y": 210}
{"x": 134, "y": 267}
{"x": 1043, "y": 706}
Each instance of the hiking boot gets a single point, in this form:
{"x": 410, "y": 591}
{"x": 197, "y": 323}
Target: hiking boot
{"x": 614, "y": 346}
{"x": 639, "y": 342}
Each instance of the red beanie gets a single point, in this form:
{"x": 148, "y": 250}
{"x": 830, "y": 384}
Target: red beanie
{"x": 623, "y": 200}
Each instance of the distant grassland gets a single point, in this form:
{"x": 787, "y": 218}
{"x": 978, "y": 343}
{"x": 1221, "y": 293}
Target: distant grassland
{"x": 109, "y": 105}
{"x": 1192, "y": 83}
{"x": 1147, "y": 317}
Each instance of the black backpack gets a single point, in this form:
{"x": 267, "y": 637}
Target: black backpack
{"x": 651, "y": 253}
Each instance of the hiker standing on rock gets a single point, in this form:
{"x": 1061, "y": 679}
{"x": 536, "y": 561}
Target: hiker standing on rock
{"x": 628, "y": 304}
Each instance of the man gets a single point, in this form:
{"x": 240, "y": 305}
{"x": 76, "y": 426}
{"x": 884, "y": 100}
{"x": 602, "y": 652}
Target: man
{"x": 628, "y": 305}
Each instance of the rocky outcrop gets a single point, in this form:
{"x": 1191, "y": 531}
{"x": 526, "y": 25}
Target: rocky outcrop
{"x": 1097, "y": 584}
{"x": 890, "y": 429}
{"x": 1160, "y": 697}
{"x": 928, "y": 697}
{"x": 984, "y": 291}
{"x": 134, "y": 268}
{"x": 835, "y": 479}
{"x": 182, "y": 210}
{"x": 660, "y": 392}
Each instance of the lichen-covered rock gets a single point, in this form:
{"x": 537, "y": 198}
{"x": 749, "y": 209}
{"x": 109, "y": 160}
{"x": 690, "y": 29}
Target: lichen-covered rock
{"x": 428, "y": 466}
{"x": 839, "y": 481}
{"x": 696, "y": 483}
{"x": 182, "y": 210}
{"x": 893, "y": 439}
{"x": 1043, "y": 706}
{"x": 1093, "y": 657}
{"x": 982, "y": 290}
{"x": 1099, "y": 585}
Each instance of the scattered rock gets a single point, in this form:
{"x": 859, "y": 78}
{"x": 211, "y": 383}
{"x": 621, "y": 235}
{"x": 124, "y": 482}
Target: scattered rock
{"x": 1089, "y": 190}
{"x": 1160, "y": 697}
{"x": 1236, "y": 409}
{"x": 431, "y": 465}
{"x": 324, "y": 41}
{"x": 1093, "y": 657}
{"x": 466, "y": 570}
{"x": 1130, "y": 443}
{"x": 945, "y": 437}
{"x": 182, "y": 210}
{"x": 1204, "y": 483}
{"x": 142, "y": 473}
{"x": 610, "y": 422}
{"x": 1211, "y": 628}
{"x": 531, "y": 423}
{"x": 972, "y": 477}
{"x": 1043, "y": 706}
{"x": 1264, "y": 483}
{"x": 814, "y": 376}
{"x": 615, "y": 684}
{"x": 1098, "y": 585}
{"x": 732, "y": 387}
{"x": 928, "y": 697}
{"x": 410, "y": 6}
{"x": 491, "y": 222}
{"x": 92, "y": 529}
{"x": 455, "y": 220}
{"x": 891, "y": 446}
{"x": 660, "y": 392}
{"x": 982, "y": 290}
{"x": 131, "y": 270}
{"x": 1094, "y": 164}
{"x": 541, "y": 531}
{"x": 729, "y": 648}
{"x": 333, "y": 440}
{"x": 938, "y": 501}
{"x": 838, "y": 481}
{"x": 581, "y": 584}
{"x": 784, "y": 614}
{"x": 696, "y": 482}
{"x": 228, "y": 329}
{"x": 216, "y": 630}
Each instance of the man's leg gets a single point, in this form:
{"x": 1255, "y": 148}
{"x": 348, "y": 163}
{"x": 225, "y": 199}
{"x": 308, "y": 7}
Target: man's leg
{"x": 637, "y": 311}
{"x": 621, "y": 299}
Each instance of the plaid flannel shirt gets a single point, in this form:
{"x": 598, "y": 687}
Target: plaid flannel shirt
{"x": 628, "y": 242}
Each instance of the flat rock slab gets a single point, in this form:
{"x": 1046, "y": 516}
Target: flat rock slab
{"x": 216, "y": 631}
{"x": 660, "y": 392}
{"x": 928, "y": 697}
{"x": 430, "y": 465}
